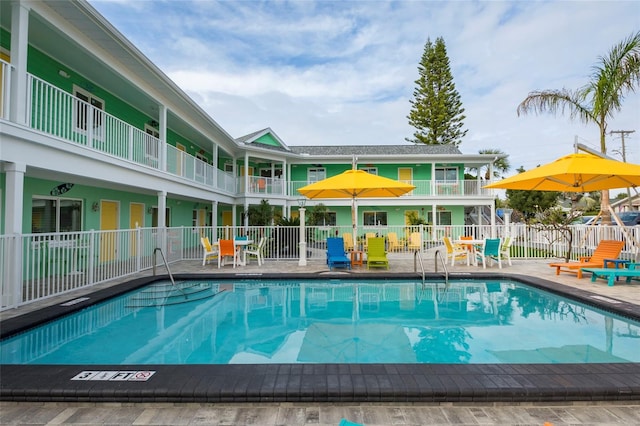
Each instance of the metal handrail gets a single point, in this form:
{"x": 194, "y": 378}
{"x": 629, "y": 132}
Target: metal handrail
{"x": 444, "y": 266}
{"x": 417, "y": 255}
{"x": 166, "y": 265}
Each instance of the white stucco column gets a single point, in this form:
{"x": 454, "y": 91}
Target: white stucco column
{"x": 11, "y": 291}
{"x": 214, "y": 216}
{"x": 19, "y": 44}
{"x": 162, "y": 131}
{"x": 162, "y": 218}
{"x": 303, "y": 240}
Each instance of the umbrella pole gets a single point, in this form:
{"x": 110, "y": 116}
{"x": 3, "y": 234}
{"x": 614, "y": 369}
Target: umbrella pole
{"x": 354, "y": 223}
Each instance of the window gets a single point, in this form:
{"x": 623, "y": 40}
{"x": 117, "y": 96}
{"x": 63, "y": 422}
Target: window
{"x": 228, "y": 167}
{"x": 447, "y": 173}
{"x": 154, "y": 217}
{"x": 56, "y": 215}
{"x": 372, "y": 170}
{"x": 329, "y": 219}
{"x": 88, "y": 110}
{"x": 375, "y": 218}
{"x": 201, "y": 165}
{"x": 444, "y": 217}
{"x": 316, "y": 174}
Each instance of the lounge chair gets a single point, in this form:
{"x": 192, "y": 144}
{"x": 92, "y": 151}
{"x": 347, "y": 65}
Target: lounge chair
{"x": 612, "y": 274}
{"x": 227, "y": 249}
{"x": 376, "y": 255}
{"x": 490, "y": 250}
{"x": 256, "y": 251}
{"x": 348, "y": 241}
{"x": 607, "y": 249}
{"x": 210, "y": 252}
{"x": 336, "y": 256}
{"x": 394, "y": 244}
{"x": 456, "y": 251}
{"x": 415, "y": 241}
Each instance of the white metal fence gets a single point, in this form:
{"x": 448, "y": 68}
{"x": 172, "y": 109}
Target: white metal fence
{"x": 38, "y": 266}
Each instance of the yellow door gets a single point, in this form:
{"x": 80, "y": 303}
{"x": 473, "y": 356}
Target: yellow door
{"x": 136, "y": 220}
{"x": 108, "y": 222}
{"x": 406, "y": 175}
{"x": 181, "y": 158}
{"x": 227, "y": 218}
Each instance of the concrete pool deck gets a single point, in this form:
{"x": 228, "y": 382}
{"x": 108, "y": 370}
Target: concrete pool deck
{"x": 508, "y": 392}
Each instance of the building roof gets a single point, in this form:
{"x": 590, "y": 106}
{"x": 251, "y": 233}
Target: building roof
{"x": 409, "y": 149}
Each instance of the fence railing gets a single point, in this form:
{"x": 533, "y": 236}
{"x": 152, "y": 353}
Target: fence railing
{"x": 46, "y": 265}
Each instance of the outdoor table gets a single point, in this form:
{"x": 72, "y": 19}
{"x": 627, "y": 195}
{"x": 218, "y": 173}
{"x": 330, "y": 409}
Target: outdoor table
{"x": 470, "y": 243}
{"x": 356, "y": 257}
{"x": 241, "y": 244}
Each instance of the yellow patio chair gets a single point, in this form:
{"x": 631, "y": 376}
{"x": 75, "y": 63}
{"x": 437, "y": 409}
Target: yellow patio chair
{"x": 210, "y": 252}
{"x": 415, "y": 241}
{"x": 394, "y": 244}
{"x": 376, "y": 255}
{"x": 348, "y": 241}
{"x": 455, "y": 251}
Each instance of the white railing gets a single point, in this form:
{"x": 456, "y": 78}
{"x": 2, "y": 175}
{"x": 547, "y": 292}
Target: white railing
{"x": 5, "y": 89}
{"x": 54, "y": 264}
{"x": 60, "y": 114}
{"x": 430, "y": 188}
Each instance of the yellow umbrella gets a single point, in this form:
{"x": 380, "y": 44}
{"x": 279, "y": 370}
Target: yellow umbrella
{"x": 575, "y": 173}
{"x": 355, "y": 184}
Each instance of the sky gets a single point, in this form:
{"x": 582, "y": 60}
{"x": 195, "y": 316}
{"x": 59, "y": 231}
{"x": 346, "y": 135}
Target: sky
{"x": 343, "y": 72}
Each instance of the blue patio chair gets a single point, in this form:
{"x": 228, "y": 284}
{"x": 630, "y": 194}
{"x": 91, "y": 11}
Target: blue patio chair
{"x": 336, "y": 256}
{"x": 490, "y": 249}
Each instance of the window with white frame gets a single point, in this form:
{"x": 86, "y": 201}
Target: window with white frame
{"x": 446, "y": 174}
{"x": 375, "y": 219}
{"x": 372, "y": 170}
{"x": 444, "y": 217}
{"x": 316, "y": 174}
{"x": 228, "y": 167}
{"x": 55, "y": 214}
{"x": 88, "y": 110}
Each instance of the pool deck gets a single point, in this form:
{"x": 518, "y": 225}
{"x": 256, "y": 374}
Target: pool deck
{"x": 370, "y": 394}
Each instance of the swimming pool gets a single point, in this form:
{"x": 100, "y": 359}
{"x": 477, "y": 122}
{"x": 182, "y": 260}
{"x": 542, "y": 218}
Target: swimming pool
{"x": 317, "y": 382}
{"x": 491, "y": 321}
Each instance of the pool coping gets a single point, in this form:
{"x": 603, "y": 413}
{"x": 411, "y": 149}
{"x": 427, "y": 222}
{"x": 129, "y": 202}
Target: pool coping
{"x": 325, "y": 382}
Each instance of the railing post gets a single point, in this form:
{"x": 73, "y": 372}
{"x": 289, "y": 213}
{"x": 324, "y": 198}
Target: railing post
{"x": 91, "y": 263}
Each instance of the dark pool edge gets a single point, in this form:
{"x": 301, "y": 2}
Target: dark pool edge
{"x": 327, "y": 382}
{"x": 331, "y": 383}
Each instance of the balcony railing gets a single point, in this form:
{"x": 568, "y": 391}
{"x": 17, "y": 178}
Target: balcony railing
{"x": 429, "y": 188}
{"x": 60, "y": 114}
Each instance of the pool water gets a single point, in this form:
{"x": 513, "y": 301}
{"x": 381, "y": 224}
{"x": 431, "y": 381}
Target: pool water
{"x": 331, "y": 321}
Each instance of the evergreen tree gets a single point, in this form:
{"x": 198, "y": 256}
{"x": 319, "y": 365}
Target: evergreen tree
{"x": 436, "y": 110}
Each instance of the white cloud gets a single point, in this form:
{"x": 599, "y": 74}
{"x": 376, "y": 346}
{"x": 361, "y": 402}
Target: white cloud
{"x": 343, "y": 72}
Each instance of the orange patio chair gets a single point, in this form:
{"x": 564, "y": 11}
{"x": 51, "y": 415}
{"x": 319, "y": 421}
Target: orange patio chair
{"x": 607, "y": 249}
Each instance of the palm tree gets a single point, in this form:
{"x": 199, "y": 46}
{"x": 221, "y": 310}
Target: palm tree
{"x": 500, "y": 166}
{"x": 616, "y": 74}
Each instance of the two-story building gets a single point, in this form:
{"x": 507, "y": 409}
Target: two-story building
{"x": 94, "y": 136}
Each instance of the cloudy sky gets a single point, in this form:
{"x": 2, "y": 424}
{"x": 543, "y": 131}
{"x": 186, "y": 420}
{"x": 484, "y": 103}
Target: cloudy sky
{"x": 343, "y": 72}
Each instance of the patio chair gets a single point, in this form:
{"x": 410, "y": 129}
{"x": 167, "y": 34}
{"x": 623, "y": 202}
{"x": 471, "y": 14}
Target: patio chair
{"x": 612, "y": 274}
{"x": 394, "y": 243}
{"x": 505, "y": 250}
{"x": 367, "y": 237}
{"x": 376, "y": 255}
{"x": 255, "y": 250}
{"x": 227, "y": 249}
{"x": 456, "y": 251}
{"x": 210, "y": 252}
{"x": 607, "y": 249}
{"x": 415, "y": 241}
{"x": 490, "y": 250}
{"x": 336, "y": 256}
{"x": 348, "y": 241}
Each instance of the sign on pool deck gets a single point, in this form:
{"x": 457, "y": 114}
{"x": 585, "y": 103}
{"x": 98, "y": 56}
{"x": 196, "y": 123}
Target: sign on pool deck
{"x": 116, "y": 376}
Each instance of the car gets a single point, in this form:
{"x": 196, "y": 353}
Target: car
{"x": 630, "y": 218}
